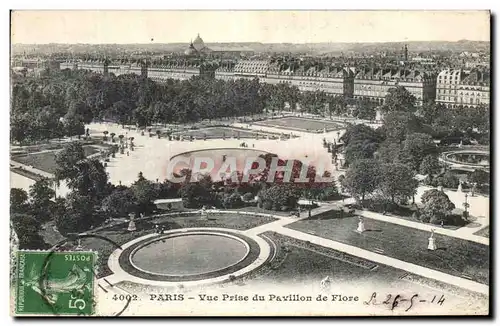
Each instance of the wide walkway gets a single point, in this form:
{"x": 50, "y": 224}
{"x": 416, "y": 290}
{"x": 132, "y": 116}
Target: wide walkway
{"x": 381, "y": 259}
{"x": 425, "y": 227}
{"x": 279, "y": 227}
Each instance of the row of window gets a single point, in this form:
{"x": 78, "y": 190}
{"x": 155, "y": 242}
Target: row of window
{"x": 460, "y": 100}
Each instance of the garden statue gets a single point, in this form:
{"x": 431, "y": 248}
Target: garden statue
{"x": 432, "y": 242}
{"x": 361, "y": 226}
{"x": 131, "y": 224}
{"x": 79, "y": 245}
{"x": 459, "y": 186}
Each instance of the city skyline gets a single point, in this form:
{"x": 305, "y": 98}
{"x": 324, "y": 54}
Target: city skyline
{"x": 298, "y": 27}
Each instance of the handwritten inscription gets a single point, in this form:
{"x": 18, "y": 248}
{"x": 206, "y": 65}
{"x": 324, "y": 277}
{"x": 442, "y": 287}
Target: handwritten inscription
{"x": 398, "y": 300}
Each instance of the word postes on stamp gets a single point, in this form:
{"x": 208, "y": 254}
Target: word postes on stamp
{"x": 55, "y": 283}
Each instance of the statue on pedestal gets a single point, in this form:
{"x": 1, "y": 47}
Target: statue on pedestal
{"x": 432, "y": 242}
{"x": 131, "y": 224}
{"x": 79, "y": 245}
{"x": 361, "y": 226}
{"x": 204, "y": 213}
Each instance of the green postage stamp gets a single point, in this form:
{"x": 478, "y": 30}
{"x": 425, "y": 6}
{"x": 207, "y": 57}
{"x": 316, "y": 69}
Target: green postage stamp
{"x": 55, "y": 283}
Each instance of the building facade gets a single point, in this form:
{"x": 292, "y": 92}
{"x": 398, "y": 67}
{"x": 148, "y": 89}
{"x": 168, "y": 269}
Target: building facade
{"x": 330, "y": 79}
{"x": 463, "y": 88}
{"x": 374, "y": 83}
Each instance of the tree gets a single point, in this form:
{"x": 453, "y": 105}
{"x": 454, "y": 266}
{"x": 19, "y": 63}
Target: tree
{"x": 365, "y": 109}
{"x": 112, "y": 135}
{"x": 79, "y": 215}
{"x": 362, "y": 178}
{"x": 358, "y": 150}
{"x": 67, "y": 159}
{"x": 430, "y": 111}
{"x": 27, "y": 228}
{"x": 90, "y": 179}
{"x": 479, "y": 177}
{"x": 18, "y": 200}
{"x": 195, "y": 195}
{"x": 398, "y": 182}
{"x": 437, "y": 206}
{"x": 105, "y": 135}
{"x": 415, "y": 147}
{"x": 389, "y": 152}
{"x": 449, "y": 180}
{"x": 361, "y": 142}
{"x": 399, "y": 99}
{"x": 281, "y": 197}
{"x": 41, "y": 194}
{"x": 398, "y": 124}
{"x": 232, "y": 201}
{"x": 145, "y": 193}
{"x": 430, "y": 165}
{"x": 73, "y": 125}
{"x": 361, "y": 132}
{"x": 120, "y": 203}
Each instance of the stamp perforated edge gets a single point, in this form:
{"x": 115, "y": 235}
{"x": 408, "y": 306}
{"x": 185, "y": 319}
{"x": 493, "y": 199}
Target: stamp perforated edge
{"x": 14, "y": 280}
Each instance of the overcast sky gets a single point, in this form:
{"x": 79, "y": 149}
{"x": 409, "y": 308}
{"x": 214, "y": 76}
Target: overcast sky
{"x": 247, "y": 26}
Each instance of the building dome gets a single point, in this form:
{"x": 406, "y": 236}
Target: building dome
{"x": 198, "y": 43}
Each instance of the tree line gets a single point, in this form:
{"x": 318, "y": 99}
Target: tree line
{"x": 382, "y": 163}
{"x": 60, "y": 103}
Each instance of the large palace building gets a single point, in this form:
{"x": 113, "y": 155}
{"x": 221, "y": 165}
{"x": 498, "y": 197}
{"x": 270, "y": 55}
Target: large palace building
{"x": 458, "y": 87}
{"x": 374, "y": 83}
{"x": 449, "y": 87}
{"x": 370, "y": 83}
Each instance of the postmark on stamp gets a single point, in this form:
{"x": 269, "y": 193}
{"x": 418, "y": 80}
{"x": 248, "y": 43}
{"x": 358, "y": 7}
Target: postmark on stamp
{"x": 49, "y": 283}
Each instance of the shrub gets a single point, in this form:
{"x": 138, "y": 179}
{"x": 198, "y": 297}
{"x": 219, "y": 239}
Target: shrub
{"x": 268, "y": 205}
{"x": 248, "y": 196}
{"x": 233, "y": 201}
{"x": 449, "y": 180}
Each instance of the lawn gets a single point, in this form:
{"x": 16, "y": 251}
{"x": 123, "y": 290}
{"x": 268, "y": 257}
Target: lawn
{"x": 454, "y": 256}
{"x": 27, "y": 174}
{"x": 227, "y": 132}
{"x": 299, "y": 264}
{"x": 46, "y": 161}
{"x": 120, "y": 235}
{"x": 484, "y": 232}
{"x": 303, "y": 262}
{"x": 301, "y": 124}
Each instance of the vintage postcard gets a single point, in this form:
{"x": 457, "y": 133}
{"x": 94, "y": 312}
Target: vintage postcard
{"x": 250, "y": 163}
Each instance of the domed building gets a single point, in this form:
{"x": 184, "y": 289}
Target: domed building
{"x": 197, "y": 47}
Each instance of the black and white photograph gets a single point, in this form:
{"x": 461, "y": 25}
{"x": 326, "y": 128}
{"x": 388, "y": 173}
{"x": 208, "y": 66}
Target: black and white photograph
{"x": 250, "y": 163}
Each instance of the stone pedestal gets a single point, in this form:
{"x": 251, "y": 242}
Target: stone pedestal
{"x": 79, "y": 245}
{"x": 361, "y": 226}
{"x": 432, "y": 244}
{"x": 131, "y": 226}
